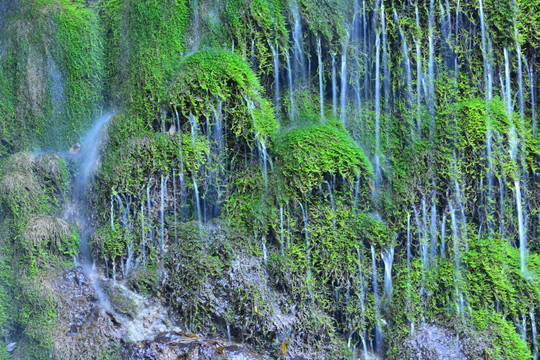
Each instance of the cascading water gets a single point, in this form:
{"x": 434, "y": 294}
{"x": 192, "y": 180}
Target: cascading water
{"x": 534, "y": 335}
{"x": 431, "y": 72}
{"x": 334, "y": 85}
{"x": 378, "y": 329}
{"x": 388, "y": 259}
{"x": 377, "y": 118}
{"x": 406, "y": 65}
{"x": 320, "y": 71}
{"x": 299, "y": 58}
{"x": 88, "y": 158}
{"x": 275, "y": 56}
{"x": 435, "y": 162}
{"x": 344, "y": 80}
{"x": 292, "y": 112}
{"x": 419, "y": 79}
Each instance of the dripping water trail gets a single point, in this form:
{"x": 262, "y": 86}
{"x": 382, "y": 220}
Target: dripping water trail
{"x": 88, "y": 158}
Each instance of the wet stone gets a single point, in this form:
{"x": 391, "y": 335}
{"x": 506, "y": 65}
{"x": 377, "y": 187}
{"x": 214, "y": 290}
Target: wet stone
{"x": 185, "y": 346}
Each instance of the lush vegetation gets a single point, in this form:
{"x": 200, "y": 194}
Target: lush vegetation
{"x": 234, "y": 195}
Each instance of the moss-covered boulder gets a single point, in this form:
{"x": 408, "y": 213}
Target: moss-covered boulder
{"x": 309, "y": 153}
{"x": 45, "y": 232}
{"x": 52, "y": 172}
{"x": 21, "y": 193}
{"x": 211, "y": 77}
{"x": 22, "y": 161}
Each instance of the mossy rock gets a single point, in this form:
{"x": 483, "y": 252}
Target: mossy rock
{"x": 49, "y": 232}
{"x": 149, "y": 155}
{"x": 21, "y": 193}
{"x": 51, "y": 170}
{"x": 208, "y": 77}
{"x": 22, "y": 162}
{"x": 144, "y": 279}
{"x": 51, "y": 73}
{"x": 309, "y": 153}
{"x": 120, "y": 299}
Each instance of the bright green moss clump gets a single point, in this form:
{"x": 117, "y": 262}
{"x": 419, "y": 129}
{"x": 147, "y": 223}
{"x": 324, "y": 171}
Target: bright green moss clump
{"x": 309, "y": 153}
{"x": 209, "y": 77}
{"x": 145, "y": 41}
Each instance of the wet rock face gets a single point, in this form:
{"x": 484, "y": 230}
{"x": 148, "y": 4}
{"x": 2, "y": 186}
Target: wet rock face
{"x": 81, "y": 296}
{"x": 83, "y": 327}
{"x": 185, "y": 346}
{"x": 432, "y": 342}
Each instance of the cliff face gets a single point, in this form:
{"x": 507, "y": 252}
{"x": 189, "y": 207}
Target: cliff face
{"x": 313, "y": 179}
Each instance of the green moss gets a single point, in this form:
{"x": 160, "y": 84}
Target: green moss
{"x": 326, "y": 19}
{"x": 190, "y": 263}
{"x": 44, "y": 233}
{"x": 309, "y": 153}
{"x": 261, "y": 22}
{"x": 120, "y": 300}
{"x": 53, "y": 72}
{"x": 51, "y": 170}
{"x": 209, "y": 77}
{"x": 503, "y": 340}
{"x": 146, "y": 41}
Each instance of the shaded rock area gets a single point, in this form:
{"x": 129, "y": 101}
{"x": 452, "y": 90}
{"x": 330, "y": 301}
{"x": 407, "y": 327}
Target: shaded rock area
{"x": 84, "y": 329}
{"x": 92, "y": 326}
{"x": 182, "y": 345}
{"x": 433, "y": 342}
{"x": 233, "y": 298}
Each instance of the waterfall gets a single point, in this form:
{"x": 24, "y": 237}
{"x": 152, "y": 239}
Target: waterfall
{"x": 443, "y": 235}
{"x": 521, "y": 228}
{"x": 89, "y": 158}
{"x": 418, "y": 77}
{"x": 275, "y": 55}
{"x": 282, "y": 240}
{"x": 378, "y": 330}
{"x": 334, "y": 85}
{"x": 433, "y": 230}
{"x": 308, "y": 254}
{"x": 422, "y": 240}
{"x": 356, "y": 53}
{"x": 386, "y": 67}
{"x": 388, "y": 259}
{"x": 532, "y": 76}
{"x": 431, "y": 72}
{"x": 321, "y": 92}
{"x": 163, "y": 190}
{"x": 344, "y": 83}
{"x": 406, "y": 64}
{"x": 365, "y": 50}
{"x": 520, "y": 80}
{"x": 534, "y": 336}
{"x": 299, "y": 59}
{"x": 409, "y": 257}
{"x": 362, "y": 300}
{"x": 175, "y": 210}
{"x": 196, "y": 24}
{"x": 425, "y": 238}
{"x": 143, "y": 237}
{"x": 291, "y": 87}
{"x": 253, "y": 61}
{"x": 523, "y": 327}
{"x": 377, "y": 118}
{"x": 457, "y": 258}
{"x": 198, "y": 204}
